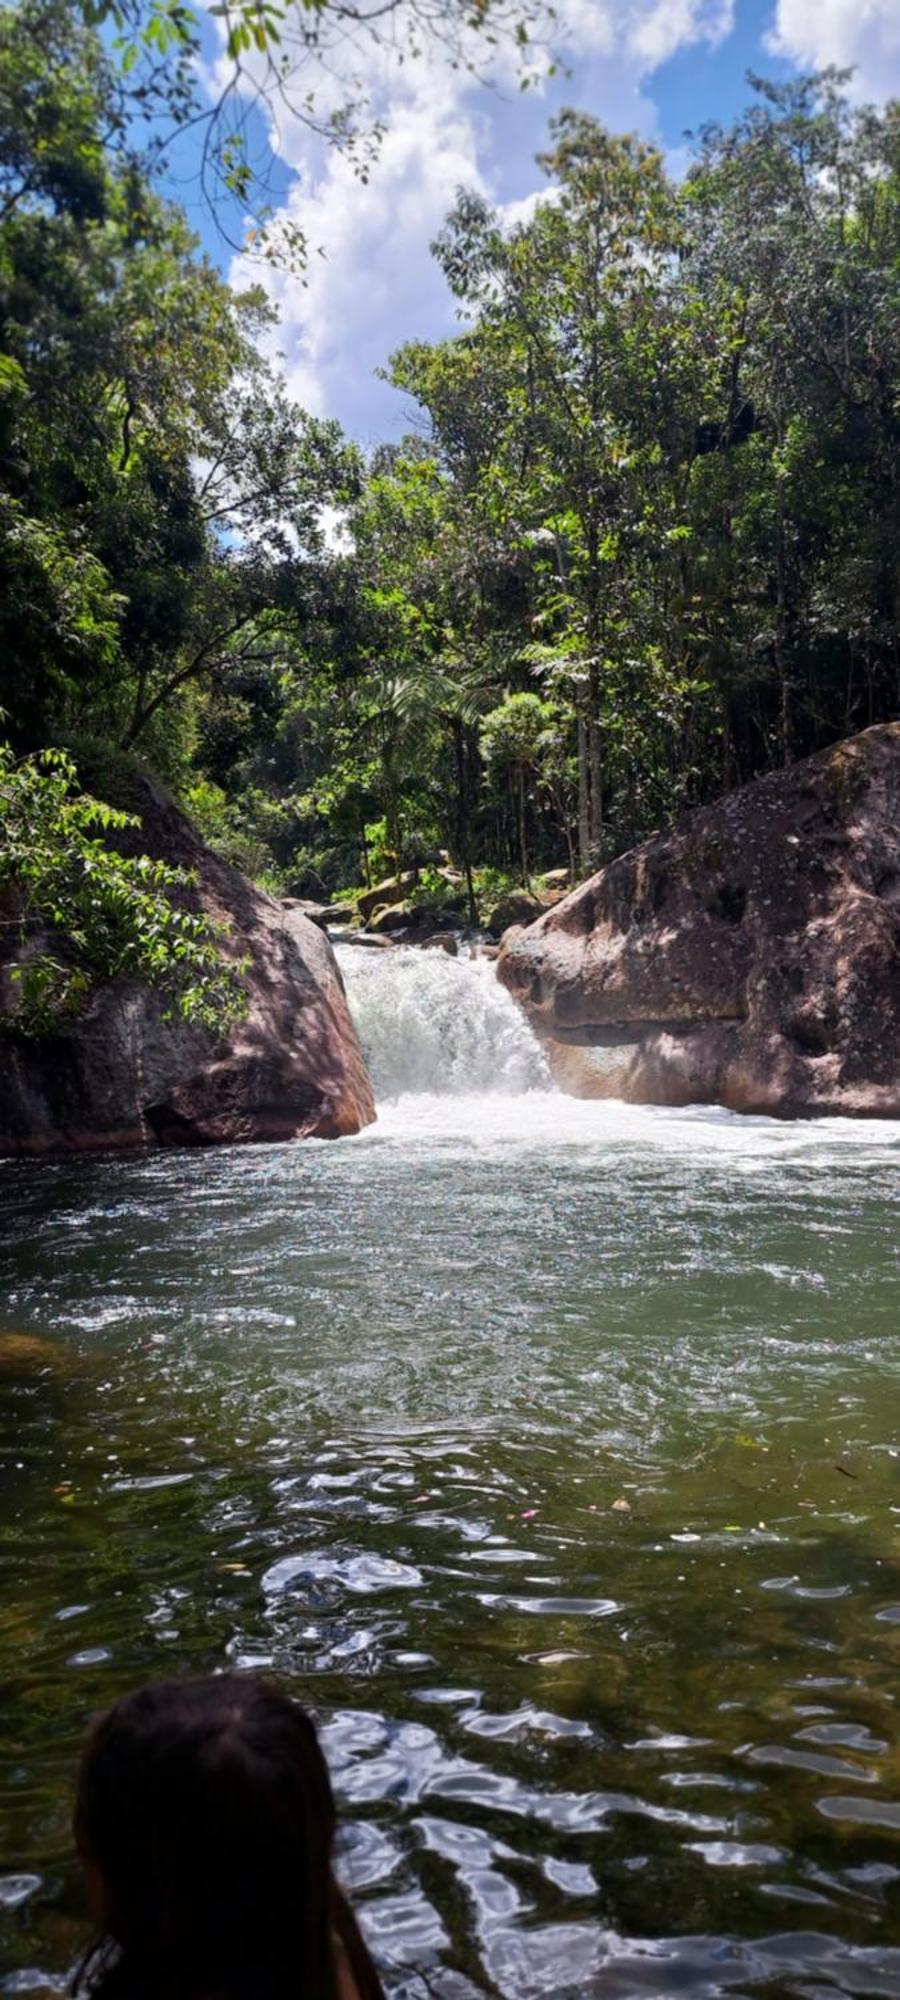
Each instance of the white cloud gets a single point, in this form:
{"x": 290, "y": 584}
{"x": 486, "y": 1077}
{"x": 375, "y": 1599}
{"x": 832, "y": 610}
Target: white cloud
{"x": 863, "y": 34}
{"x": 659, "y": 29}
{"x": 649, "y": 31}
{"x": 375, "y": 283}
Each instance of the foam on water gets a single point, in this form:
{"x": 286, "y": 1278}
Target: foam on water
{"x": 549, "y": 1123}
{"x": 455, "y": 1065}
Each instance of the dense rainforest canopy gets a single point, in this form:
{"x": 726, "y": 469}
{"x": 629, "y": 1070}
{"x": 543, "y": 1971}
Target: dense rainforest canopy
{"x": 639, "y": 545}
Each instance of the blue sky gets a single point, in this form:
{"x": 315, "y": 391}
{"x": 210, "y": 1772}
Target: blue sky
{"x": 660, "y": 67}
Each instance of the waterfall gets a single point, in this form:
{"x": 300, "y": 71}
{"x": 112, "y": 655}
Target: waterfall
{"x": 434, "y": 1025}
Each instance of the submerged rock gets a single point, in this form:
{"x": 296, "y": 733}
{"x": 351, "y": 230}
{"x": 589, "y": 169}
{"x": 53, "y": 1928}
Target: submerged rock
{"x": 124, "y": 1075}
{"x": 24, "y": 1355}
{"x": 749, "y": 957}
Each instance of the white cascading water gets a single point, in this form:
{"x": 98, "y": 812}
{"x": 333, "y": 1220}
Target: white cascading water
{"x": 436, "y": 1026}
{"x": 453, "y": 1061}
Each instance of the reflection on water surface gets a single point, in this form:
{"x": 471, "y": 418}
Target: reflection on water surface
{"x": 550, "y": 1451}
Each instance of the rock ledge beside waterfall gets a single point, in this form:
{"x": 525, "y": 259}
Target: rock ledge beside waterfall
{"x": 749, "y": 957}
{"x": 125, "y": 1076}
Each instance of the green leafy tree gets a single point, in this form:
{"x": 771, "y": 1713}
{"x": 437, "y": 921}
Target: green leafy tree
{"x": 517, "y": 736}
{"x": 160, "y": 496}
{"x": 643, "y": 546}
{"x": 791, "y": 260}
{"x": 433, "y": 571}
{"x": 572, "y": 305}
{"x": 74, "y": 912}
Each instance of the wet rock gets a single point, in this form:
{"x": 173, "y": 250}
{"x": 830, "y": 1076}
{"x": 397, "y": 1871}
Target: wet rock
{"x": 395, "y": 889}
{"x": 323, "y": 914}
{"x": 412, "y": 921}
{"x": 314, "y": 911}
{"x": 396, "y": 917}
{"x": 519, "y": 907}
{"x": 124, "y": 1075}
{"x": 748, "y": 957}
{"x": 440, "y": 941}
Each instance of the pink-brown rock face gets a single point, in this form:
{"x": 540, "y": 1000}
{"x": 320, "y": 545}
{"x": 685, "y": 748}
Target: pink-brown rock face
{"x": 749, "y": 957}
{"x": 125, "y": 1076}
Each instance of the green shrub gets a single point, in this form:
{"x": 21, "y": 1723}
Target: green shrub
{"x": 113, "y": 917}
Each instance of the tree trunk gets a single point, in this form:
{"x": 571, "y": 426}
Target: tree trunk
{"x": 779, "y": 641}
{"x": 595, "y": 767}
{"x": 584, "y": 816}
{"x": 470, "y": 895}
{"x": 785, "y": 727}
{"x": 463, "y": 848}
{"x": 593, "y": 628}
{"x": 394, "y": 831}
{"x": 557, "y": 800}
{"x": 523, "y": 844}
{"x": 392, "y": 825}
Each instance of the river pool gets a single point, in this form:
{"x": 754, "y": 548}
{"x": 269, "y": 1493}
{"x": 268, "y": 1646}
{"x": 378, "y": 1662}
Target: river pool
{"x": 548, "y": 1450}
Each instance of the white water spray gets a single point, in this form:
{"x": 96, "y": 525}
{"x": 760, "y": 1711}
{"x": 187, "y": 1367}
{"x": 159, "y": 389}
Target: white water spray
{"x": 454, "y": 1063}
{"x": 432, "y": 1025}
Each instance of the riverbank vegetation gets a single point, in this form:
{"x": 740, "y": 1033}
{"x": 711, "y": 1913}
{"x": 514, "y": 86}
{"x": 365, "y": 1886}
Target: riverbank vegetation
{"x": 638, "y": 545}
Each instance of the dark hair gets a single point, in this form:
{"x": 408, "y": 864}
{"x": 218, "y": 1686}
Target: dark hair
{"x": 205, "y": 1809}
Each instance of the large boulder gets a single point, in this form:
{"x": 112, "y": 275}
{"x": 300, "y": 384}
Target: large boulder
{"x": 125, "y": 1075}
{"x": 749, "y": 957}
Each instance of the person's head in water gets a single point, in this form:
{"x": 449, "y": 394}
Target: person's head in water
{"x": 205, "y": 1824}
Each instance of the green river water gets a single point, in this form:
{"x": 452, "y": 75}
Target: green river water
{"x": 548, "y": 1450}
